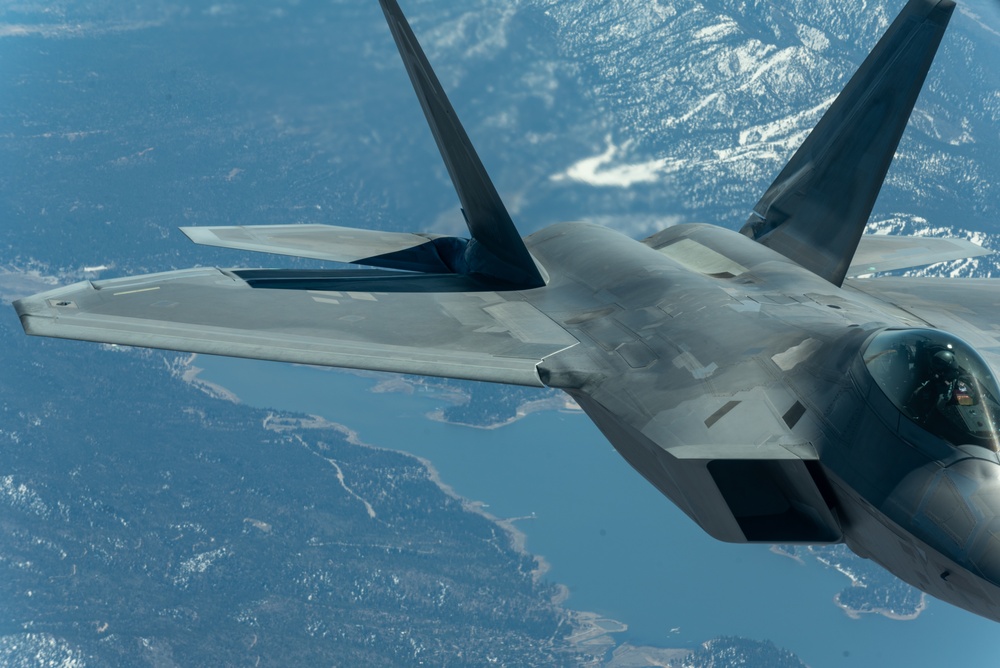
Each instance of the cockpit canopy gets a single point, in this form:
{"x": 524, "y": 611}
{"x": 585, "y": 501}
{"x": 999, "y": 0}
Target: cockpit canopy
{"x": 938, "y": 381}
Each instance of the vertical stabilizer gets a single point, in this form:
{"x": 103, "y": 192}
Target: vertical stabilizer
{"x": 817, "y": 208}
{"x": 496, "y": 250}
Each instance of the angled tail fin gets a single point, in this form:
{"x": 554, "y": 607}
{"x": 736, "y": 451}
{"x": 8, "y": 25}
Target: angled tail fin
{"x": 496, "y": 250}
{"x": 817, "y": 208}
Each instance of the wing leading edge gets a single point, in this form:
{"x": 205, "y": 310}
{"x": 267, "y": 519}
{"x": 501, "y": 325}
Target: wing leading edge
{"x": 428, "y": 253}
{"x": 966, "y": 307}
{"x": 887, "y": 252}
{"x": 446, "y": 320}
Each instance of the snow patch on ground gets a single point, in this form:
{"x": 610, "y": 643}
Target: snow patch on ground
{"x": 602, "y": 170}
{"x": 20, "y": 496}
{"x": 812, "y": 38}
{"x": 716, "y": 32}
{"x": 199, "y": 563}
{"x": 37, "y": 650}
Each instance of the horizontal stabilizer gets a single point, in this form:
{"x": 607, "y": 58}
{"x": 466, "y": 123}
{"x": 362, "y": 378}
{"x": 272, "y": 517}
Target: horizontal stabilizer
{"x": 816, "y": 210}
{"x": 429, "y": 253}
{"x": 885, "y": 252}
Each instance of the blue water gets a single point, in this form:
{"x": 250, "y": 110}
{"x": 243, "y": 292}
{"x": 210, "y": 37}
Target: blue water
{"x": 623, "y": 550}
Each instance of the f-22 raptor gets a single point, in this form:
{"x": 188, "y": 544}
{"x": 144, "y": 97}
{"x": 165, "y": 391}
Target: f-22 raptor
{"x": 752, "y": 377}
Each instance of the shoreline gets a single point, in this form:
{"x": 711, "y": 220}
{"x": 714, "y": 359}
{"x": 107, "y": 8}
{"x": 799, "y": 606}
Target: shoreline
{"x": 563, "y": 404}
{"x": 591, "y": 630}
{"x": 854, "y": 613}
{"x": 405, "y": 385}
{"x": 275, "y": 421}
{"x": 776, "y": 549}
{"x": 188, "y": 372}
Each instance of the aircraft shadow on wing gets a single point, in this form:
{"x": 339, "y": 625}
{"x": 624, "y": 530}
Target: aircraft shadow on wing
{"x": 747, "y": 375}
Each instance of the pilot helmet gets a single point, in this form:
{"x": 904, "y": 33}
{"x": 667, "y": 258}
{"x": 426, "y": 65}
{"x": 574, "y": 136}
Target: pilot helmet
{"x": 944, "y": 364}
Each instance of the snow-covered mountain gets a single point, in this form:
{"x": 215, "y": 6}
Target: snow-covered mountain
{"x": 686, "y": 110}
{"x": 633, "y": 113}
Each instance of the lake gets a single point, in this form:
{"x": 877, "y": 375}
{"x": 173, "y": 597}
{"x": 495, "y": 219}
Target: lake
{"x": 623, "y": 550}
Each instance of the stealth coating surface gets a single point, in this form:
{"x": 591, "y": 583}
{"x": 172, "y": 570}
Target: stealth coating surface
{"x": 506, "y": 257}
{"x": 476, "y": 336}
{"x": 817, "y": 207}
{"x": 885, "y": 252}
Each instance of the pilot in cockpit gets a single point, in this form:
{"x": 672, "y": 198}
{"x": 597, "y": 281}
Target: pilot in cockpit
{"x": 947, "y": 385}
{"x": 940, "y": 388}
{"x": 939, "y": 382}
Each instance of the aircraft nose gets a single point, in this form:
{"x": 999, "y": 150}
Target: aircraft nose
{"x": 954, "y": 515}
{"x": 966, "y": 505}
{"x": 985, "y": 554}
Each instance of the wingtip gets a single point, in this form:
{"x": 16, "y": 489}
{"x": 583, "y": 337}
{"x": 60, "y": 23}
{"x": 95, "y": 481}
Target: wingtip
{"x": 31, "y": 310}
{"x": 203, "y": 236}
{"x": 189, "y": 232}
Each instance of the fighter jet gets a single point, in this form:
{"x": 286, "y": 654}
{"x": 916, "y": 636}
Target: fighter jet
{"x": 750, "y": 376}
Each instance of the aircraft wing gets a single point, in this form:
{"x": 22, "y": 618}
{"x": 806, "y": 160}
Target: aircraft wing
{"x": 438, "y": 325}
{"x": 966, "y": 307}
{"x": 888, "y": 252}
{"x": 319, "y": 242}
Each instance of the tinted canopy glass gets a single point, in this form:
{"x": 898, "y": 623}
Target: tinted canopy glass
{"x": 938, "y": 381}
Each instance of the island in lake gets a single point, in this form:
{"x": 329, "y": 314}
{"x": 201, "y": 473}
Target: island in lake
{"x": 873, "y": 590}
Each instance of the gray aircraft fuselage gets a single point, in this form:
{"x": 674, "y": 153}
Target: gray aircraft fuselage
{"x": 690, "y": 364}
